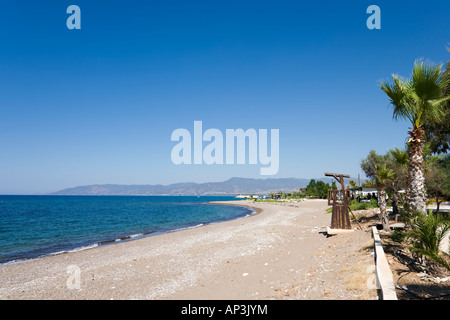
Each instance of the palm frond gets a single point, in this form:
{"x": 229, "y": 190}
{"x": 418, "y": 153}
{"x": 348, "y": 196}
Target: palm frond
{"x": 426, "y": 235}
{"x": 420, "y": 98}
{"x": 427, "y": 80}
{"x": 428, "y": 156}
{"x": 384, "y": 175}
{"x": 399, "y": 97}
{"x": 401, "y": 156}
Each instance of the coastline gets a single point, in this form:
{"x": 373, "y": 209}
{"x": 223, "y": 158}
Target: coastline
{"x": 124, "y": 237}
{"x": 247, "y": 205}
{"x": 253, "y": 257}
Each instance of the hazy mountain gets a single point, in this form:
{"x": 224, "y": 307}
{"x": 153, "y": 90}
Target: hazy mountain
{"x": 232, "y": 186}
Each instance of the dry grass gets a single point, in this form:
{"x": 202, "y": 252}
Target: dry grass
{"x": 360, "y": 277}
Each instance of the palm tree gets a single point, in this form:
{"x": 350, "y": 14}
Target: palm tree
{"x": 419, "y": 99}
{"x": 370, "y": 183}
{"x": 382, "y": 177}
{"x": 427, "y": 233}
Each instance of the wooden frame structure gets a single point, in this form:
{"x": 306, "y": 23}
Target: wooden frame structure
{"x": 340, "y": 200}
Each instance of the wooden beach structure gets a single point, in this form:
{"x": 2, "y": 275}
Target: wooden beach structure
{"x": 340, "y": 200}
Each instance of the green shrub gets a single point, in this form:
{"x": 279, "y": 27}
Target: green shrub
{"x": 427, "y": 231}
{"x": 363, "y": 205}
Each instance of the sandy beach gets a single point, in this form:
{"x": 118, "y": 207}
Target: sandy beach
{"x": 279, "y": 253}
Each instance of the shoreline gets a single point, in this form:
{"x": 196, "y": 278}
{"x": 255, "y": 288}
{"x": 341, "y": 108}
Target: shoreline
{"x": 133, "y": 237}
{"x": 253, "y": 257}
{"x": 256, "y": 210}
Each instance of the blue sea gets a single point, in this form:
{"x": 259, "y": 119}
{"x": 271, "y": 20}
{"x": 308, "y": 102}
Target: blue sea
{"x": 36, "y": 226}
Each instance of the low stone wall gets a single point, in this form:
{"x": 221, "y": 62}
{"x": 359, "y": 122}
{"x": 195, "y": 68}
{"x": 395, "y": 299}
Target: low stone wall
{"x": 385, "y": 281}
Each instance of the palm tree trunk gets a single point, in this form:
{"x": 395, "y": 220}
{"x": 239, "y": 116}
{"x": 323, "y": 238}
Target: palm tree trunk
{"x": 382, "y": 204}
{"x": 417, "y": 196}
{"x": 406, "y": 199}
{"x": 395, "y": 201}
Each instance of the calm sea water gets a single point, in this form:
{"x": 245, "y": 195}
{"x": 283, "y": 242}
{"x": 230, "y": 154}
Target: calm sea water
{"x": 35, "y": 226}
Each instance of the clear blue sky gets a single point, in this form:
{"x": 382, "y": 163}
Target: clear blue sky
{"x": 98, "y": 105}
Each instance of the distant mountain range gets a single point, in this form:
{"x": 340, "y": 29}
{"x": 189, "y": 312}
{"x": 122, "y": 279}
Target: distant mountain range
{"x": 233, "y": 186}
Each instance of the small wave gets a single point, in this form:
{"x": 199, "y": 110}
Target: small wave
{"x": 185, "y": 228}
{"x": 132, "y": 236}
{"x": 136, "y": 235}
{"x": 17, "y": 261}
{"x": 95, "y": 245}
{"x": 252, "y": 212}
{"x": 55, "y": 253}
